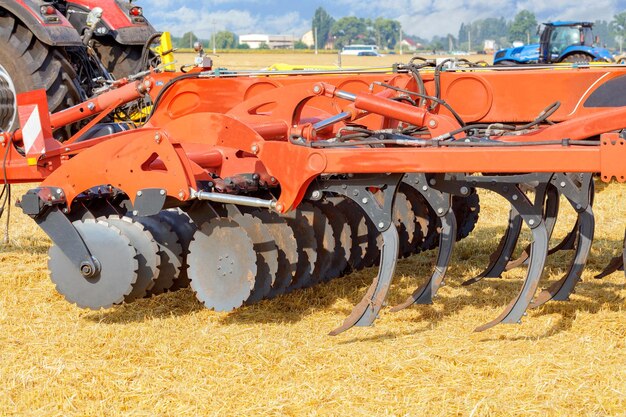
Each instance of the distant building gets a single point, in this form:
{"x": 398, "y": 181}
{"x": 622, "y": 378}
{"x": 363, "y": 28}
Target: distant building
{"x": 410, "y": 45}
{"x": 490, "y": 46}
{"x": 273, "y": 41}
{"x": 308, "y": 39}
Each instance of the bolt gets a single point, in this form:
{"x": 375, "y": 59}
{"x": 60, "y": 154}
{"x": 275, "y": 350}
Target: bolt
{"x": 355, "y": 192}
{"x": 505, "y": 188}
{"x": 181, "y": 195}
{"x": 424, "y": 188}
{"x": 464, "y": 190}
{"x": 364, "y": 201}
{"x": 519, "y": 322}
{"x": 440, "y": 210}
{"x": 578, "y": 207}
{"x": 433, "y": 181}
{"x": 135, "y": 212}
{"x": 86, "y": 270}
{"x": 531, "y": 222}
{"x": 91, "y": 106}
{"x": 139, "y": 193}
{"x": 317, "y": 89}
{"x": 514, "y": 197}
{"x": 59, "y": 191}
{"x": 562, "y": 184}
{"x": 316, "y": 195}
{"x": 432, "y": 123}
{"x": 381, "y": 225}
{"x": 344, "y": 186}
{"x": 443, "y": 283}
{"x": 273, "y": 180}
{"x": 255, "y": 149}
{"x": 65, "y": 210}
{"x": 280, "y": 207}
{"x": 162, "y": 192}
{"x": 157, "y": 137}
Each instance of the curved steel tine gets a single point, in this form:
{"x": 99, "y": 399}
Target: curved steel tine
{"x": 562, "y": 289}
{"x": 499, "y": 259}
{"x": 532, "y": 216}
{"x": 616, "y": 264}
{"x": 425, "y": 293}
{"x": 580, "y": 196}
{"x": 380, "y": 213}
{"x": 549, "y": 217}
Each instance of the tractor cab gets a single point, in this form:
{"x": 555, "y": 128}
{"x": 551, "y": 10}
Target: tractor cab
{"x": 564, "y": 41}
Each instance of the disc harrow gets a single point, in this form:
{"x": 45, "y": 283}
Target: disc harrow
{"x": 246, "y": 186}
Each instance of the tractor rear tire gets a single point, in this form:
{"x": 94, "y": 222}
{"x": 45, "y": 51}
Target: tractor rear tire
{"x": 578, "y": 59}
{"x": 33, "y": 65}
{"x": 120, "y": 60}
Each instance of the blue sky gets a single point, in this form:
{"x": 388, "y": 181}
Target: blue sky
{"x": 423, "y": 18}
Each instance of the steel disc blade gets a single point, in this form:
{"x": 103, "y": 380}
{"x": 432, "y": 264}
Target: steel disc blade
{"x": 266, "y": 255}
{"x": 343, "y": 238}
{"x": 147, "y": 254}
{"x": 358, "y": 228}
{"x": 287, "y": 246}
{"x": 222, "y": 264}
{"x": 466, "y": 209}
{"x": 324, "y": 239}
{"x": 118, "y": 267}
{"x": 421, "y": 217}
{"x": 184, "y": 228}
{"x": 404, "y": 220}
{"x": 307, "y": 249}
{"x": 170, "y": 250}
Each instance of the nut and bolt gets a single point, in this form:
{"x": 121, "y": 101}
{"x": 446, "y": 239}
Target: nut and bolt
{"x": 316, "y": 195}
{"x": 255, "y": 149}
{"x": 139, "y": 193}
{"x": 162, "y": 192}
{"x": 531, "y": 222}
{"x": 433, "y": 181}
{"x": 464, "y": 190}
{"x": 562, "y": 184}
{"x": 381, "y": 225}
{"x": 364, "y": 201}
{"x": 424, "y": 188}
{"x": 514, "y": 197}
{"x": 432, "y": 123}
{"x": 91, "y": 106}
{"x": 181, "y": 194}
{"x": 157, "y": 138}
{"x": 86, "y": 270}
{"x": 440, "y": 210}
{"x": 317, "y": 89}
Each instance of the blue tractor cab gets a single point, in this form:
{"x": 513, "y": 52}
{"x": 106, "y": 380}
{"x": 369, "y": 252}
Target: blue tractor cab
{"x": 563, "y": 41}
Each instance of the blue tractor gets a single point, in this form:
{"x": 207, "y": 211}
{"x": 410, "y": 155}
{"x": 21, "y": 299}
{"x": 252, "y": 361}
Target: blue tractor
{"x": 558, "y": 42}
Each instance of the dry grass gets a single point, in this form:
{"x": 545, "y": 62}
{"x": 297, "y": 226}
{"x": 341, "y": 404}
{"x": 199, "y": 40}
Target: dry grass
{"x": 168, "y": 356}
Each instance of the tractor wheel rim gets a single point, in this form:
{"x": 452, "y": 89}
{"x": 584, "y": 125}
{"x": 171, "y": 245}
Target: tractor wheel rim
{"x": 8, "y": 101}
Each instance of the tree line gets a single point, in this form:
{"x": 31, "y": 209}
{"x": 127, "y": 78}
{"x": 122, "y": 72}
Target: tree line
{"x": 336, "y": 33}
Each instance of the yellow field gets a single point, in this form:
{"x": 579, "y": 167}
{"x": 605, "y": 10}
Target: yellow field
{"x": 169, "y": 356}
{"x": 258, "y": 61}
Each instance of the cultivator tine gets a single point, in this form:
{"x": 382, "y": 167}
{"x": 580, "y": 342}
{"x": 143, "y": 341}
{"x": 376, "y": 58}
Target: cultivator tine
{"x": 441, "y": 204}
{"x": 532, "y": 215}
{"x": 499, "y": 259}
{"x": 580, "y": 197}
{"x": 616, "y": 264}
{"x": 550, "y": 215}
{"x": 380, "y": 213}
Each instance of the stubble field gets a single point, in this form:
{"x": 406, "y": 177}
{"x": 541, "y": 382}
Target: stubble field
{"x": 169, "y": 356}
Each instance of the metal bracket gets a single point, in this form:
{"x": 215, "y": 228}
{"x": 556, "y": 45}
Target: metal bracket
{"x": 149, "y": 201}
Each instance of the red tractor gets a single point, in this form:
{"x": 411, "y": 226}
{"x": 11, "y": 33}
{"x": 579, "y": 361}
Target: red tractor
{"x": 68, "y": 48}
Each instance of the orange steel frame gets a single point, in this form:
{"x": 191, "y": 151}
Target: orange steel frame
{"x": 205, "y": 127}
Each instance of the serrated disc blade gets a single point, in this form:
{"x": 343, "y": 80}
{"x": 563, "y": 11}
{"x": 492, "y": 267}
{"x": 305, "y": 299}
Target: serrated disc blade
{"x": 421, "y": 217}
{"x": 358, "y": 228}
{"x": 466, "y": 210}
{"x": 266, "y": 255}
{"x": 118, "y": 267}
{"x": 324, "y": 239}
{"x": 169, "y": 249}
{"x": 184, "y": 228}
{"x": 307, "y": 249}
{"x": 404, "y": 221}
{"x": 222, "y": 264}
{"x": 147, "y": 254}
{"x": 343, "y": 238}
{"x": 287, "y": 246}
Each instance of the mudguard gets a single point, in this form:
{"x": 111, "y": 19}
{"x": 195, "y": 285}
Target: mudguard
{"x": 124, "y": 28}
{"x": 54, "y": 33}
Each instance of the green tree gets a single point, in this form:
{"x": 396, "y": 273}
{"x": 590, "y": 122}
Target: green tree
{"x": 618, "y": 29}
{"x": 225, "y": 40}
{"x": 387, "y": 32}
{"x": 187, "y": 40}
{"x": 349, "y": 30}
{"x": 243, "y": 46}
{"x": 324, "y": 23}
{"x": 263, "y": 45}
{"x": 300, "y": 45}
{"x": 523, "y": 26}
